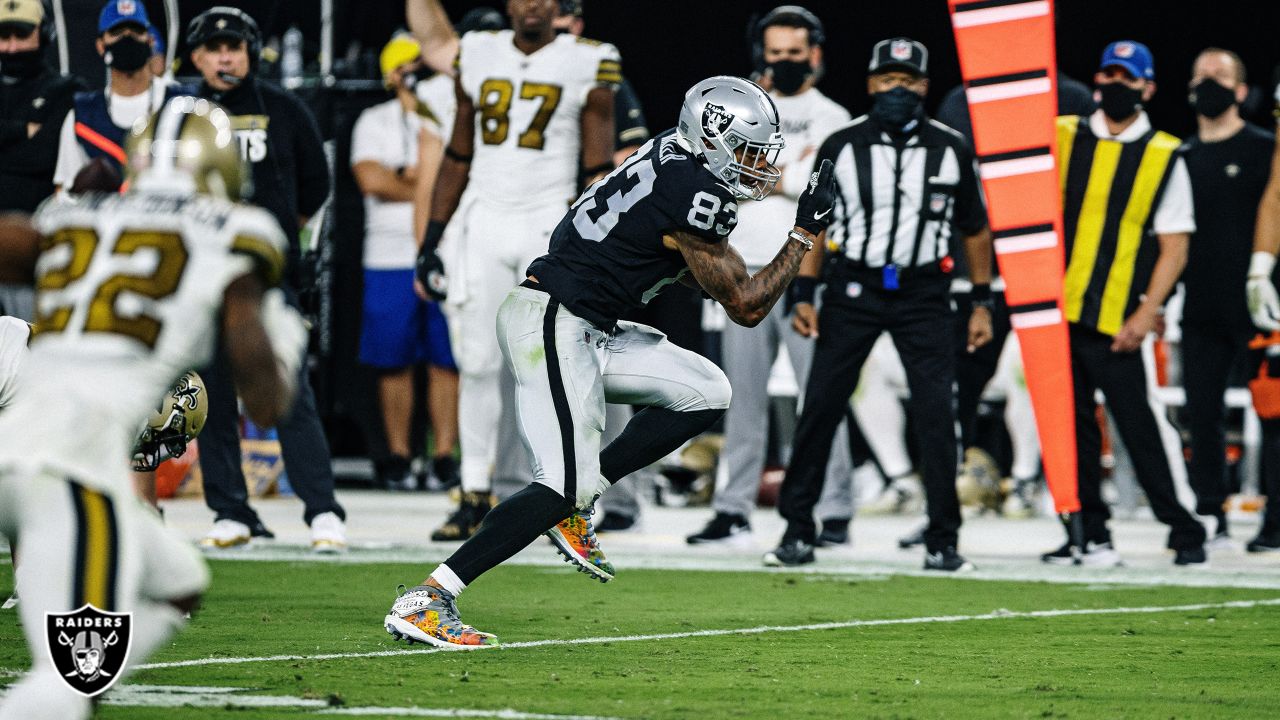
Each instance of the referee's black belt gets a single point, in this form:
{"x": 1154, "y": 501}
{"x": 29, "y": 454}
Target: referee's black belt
{"x": 843, "y": 270}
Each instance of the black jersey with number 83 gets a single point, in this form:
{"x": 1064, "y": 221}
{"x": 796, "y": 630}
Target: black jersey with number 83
{"x": 607, "y": 255}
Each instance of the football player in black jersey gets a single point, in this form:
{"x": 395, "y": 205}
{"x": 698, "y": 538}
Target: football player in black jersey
{"x": 663, "y": 215}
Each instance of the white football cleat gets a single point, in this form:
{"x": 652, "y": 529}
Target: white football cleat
{"x": 328, "y": 534}
{"x": 226, "y": 534}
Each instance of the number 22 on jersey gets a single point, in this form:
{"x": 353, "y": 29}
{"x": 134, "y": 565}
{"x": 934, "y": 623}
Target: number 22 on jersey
{"x": 102, "y": 313}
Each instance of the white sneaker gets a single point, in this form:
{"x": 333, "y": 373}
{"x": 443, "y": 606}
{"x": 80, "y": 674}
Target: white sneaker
{"x": 328, "y": 534}
{"x": 1222, "y": 542}
{"x": 902, "y": 496}
{"x": 226, "y": 534}
{"x": 12, "y": 602}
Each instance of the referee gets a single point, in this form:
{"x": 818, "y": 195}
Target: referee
{"x": 908, "y": 185}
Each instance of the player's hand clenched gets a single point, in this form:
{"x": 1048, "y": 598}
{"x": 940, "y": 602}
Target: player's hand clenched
{"x": 813, "y": 209}
{"x": 429, "y": 272}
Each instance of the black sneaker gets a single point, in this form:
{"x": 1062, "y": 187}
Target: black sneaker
{"x": 394, "y": 474}
{"x": 464, "y": 521}
{"x": 834, "y": 532}
{"x": 723, "y": 528}
{"x": 1095, "y": 554}
{"x": 1190, "y": 556}
{"x": 615, "y": 522}
{"x": 444, "y": 474}
{"x": 1264, "y": 543}
{"x": 789, "y": 554}
{"x": 915, "y": 539}
{"x": 947, "y": 560}
{"x": 260, "y": 531}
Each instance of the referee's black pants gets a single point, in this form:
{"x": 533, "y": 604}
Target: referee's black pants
{"x": 919, "y": 318}
{"x": 1123, "y": 380}
{"x": 1208, "y": 356}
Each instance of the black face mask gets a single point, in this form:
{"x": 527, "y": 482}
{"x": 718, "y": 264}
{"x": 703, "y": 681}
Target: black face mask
{"x": 896, "y": 108}
{"x": 127, "y": 54}
{"x": 1211, "y": 99}
{"x": 1119, "y": 101}
{"x": 24, "y": 64}
{"x": 789, "y": 75}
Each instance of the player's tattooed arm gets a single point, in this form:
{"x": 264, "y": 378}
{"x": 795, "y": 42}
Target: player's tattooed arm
{"x": 721, "y": 272}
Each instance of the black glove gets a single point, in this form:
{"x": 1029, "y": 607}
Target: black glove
{"x": 813, "y": 210}
{"x": 430, "y": 268}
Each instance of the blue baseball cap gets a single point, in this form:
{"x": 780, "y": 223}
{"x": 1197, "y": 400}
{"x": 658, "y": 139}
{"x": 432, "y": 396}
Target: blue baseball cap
{"x": 1134, "y": 57}
{"x": 118, "y": 12}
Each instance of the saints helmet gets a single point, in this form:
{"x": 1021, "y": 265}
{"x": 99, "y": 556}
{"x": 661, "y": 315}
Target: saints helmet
{"x": 734, "y": 126}
{"x": 178, "y": 419}
{"x": 189, "y": 145}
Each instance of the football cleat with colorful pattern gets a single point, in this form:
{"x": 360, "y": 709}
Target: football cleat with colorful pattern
{"x": 429, "y": 614}
{"x": 575, "y": 539}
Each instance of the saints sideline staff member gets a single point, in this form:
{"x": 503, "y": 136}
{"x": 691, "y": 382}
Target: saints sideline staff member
{"x": 278, "y": 137}
{"x": 906, "y": 185}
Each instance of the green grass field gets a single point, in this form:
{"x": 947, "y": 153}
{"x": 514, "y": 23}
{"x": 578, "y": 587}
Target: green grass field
{"x": 1217, "y": 662}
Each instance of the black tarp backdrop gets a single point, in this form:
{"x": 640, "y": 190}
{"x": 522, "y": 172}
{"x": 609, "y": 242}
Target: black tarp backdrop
{"x": 667, "y": 46}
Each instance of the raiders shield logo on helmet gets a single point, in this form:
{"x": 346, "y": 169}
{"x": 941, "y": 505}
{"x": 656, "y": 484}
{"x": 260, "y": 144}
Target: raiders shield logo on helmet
{"x": 715, "y": 120}
{"x": 89, "y": 647}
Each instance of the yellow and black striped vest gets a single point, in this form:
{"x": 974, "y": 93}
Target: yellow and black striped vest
{"x": 1109, "y": 194}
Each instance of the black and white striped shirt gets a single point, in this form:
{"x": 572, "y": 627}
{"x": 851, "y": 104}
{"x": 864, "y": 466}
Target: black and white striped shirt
{"x": 901, "y": 203}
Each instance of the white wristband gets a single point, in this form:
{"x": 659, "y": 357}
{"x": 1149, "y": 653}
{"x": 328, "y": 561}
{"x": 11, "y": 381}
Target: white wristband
{"x": 1261, "y": 264}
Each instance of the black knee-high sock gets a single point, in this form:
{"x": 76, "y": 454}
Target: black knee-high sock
{"x": 507, "y": 529}
{"x": 650, "y": 436}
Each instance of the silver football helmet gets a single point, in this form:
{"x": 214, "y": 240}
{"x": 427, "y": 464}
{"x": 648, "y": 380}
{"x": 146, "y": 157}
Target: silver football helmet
{"x": 733, "y": 125}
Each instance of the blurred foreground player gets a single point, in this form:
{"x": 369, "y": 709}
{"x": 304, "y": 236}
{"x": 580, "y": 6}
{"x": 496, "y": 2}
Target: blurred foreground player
{"x": 131, "y": 291}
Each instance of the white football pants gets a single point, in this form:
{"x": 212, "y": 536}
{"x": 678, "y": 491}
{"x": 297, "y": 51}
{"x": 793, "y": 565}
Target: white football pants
{"x": 561, "y": 405}
{"x": 486, "y": 253}
{"x": 79, "y": 545}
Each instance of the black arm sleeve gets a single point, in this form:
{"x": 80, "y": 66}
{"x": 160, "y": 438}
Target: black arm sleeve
{"x": 971, "y": 208}
{"x": 628, "y": 117}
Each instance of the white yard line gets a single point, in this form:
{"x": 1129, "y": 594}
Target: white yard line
{"x": 995, "y": 615}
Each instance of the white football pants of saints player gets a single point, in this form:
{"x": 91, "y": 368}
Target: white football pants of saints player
{"x": 486, "y": 251}
{"x": 83, "y": 545}
{"x": 634, "y": 365}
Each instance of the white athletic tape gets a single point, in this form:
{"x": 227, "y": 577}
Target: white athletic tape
{"x": 1001, "y": 614}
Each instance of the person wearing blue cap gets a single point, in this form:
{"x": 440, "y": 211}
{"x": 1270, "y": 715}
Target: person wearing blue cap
{"x": 1128, "y": 215}
{"x": 100, "y": 120}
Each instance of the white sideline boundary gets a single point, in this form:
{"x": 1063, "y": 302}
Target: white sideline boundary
{"x": 1262, "y": 575}
{"x": 1001, "y": 614}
